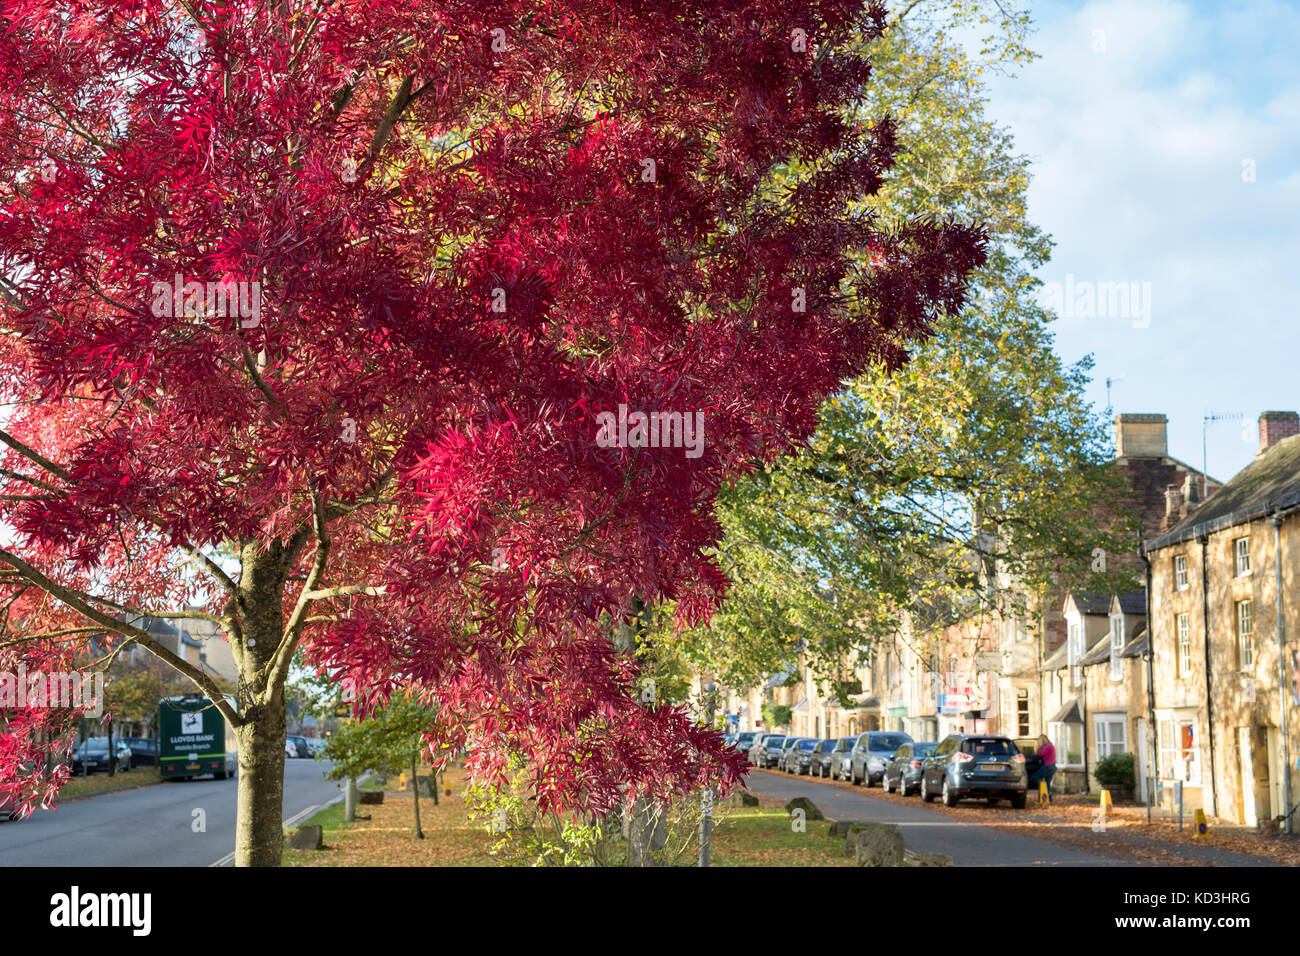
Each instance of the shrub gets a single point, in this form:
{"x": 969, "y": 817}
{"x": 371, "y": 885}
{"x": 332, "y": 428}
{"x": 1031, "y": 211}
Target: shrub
{"x": 1116, "y": 771}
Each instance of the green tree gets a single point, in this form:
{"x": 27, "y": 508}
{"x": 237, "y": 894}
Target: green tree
{"x": 977, "y": 462}
{"x": 389, "y": 741}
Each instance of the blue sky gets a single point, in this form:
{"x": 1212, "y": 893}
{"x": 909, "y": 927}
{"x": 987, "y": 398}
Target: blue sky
{"x": 1144, "y": 137}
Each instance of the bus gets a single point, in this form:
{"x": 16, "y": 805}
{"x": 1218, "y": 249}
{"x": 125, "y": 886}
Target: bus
{"x": 195, "y": 739}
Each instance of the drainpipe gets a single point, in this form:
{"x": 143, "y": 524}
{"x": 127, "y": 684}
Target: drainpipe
{"x": 1276, "y": 522}
{"x": 1204, "y": 539}
{"x": 1153, "y": 770}
{"x": 1083, "y": 706}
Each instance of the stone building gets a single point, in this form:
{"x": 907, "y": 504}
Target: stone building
{"x": 1224, "y": 616}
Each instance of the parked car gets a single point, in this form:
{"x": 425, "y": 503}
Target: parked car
{"x": 92, "y": 756}
{"x": 1029, "y": 747}
{"x": 315, "y": 746}
{"x": 873, "y": 750}
{"x": 300, "y": 748}
{"x": 144, "y": 752}
{"x": 967, "y": 765}
{"x": 841, "y": 762}
{"x": 768, "y": 752}
{"x": 904, "y": 771}
{"x": 798, "y": 759}
{"x": 787, "y": 745}
{"x": 820, "y": 763}
{"x": 745, "y": 740}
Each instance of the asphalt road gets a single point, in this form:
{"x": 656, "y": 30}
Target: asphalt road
{"x": 152, "y": 826}
{"x": 926, "y": 830}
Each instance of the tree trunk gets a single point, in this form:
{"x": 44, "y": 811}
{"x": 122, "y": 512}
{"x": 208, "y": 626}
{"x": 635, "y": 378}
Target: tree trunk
{"x": 415, "y": 792}
{"x": 259, "y": 826}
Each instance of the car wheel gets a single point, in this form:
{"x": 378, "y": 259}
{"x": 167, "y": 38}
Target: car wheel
{"x": 1018, "y": 802}
{"x": 866, "y": 779}
{"x": 949, "y": 798}
{"x": 993, "y": 801}
{"x": 926, "y": 795}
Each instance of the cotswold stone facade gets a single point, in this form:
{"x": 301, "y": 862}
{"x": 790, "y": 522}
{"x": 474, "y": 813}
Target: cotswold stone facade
{"x": 1224, "y": 637}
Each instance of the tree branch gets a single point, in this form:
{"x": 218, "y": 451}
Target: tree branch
{"x": 75, "y": 601}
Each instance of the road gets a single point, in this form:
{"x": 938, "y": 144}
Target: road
{"x": 152, "y": 826}
{"x": 926, "y": 830}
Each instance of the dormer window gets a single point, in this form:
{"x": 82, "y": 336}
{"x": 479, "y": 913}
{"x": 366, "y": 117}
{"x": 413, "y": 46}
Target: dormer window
{"x": 1116, "y": 647}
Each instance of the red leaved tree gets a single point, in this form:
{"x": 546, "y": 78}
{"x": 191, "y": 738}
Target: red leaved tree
{"x": 312, "y": 311}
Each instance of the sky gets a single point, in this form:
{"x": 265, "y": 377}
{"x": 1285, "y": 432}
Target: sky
{"x": 1166, "y": 146}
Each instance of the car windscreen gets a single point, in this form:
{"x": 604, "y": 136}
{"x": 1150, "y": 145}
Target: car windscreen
{"x": 890, "y": 742}
{"x": 924, "y": 750}
{"x": 846, "y": 743}
{"x": 807, "y": 744}
{"x": 985, "y": 746}
{"x": 95, "y": 743}
{"x": 774, "y": 743}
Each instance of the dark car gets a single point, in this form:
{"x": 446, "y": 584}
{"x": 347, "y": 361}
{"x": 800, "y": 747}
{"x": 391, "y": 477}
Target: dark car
{"x": 974, "y": 765}
{"x": 873, "y": 750}
{"x": 745, "y": 740}
{"x": 1029, "y": 747}
{"x": 144, "y": 752}
{"x": 786, "y": 747}
{"x": 798, "y": 759}
{"x": 92, "y": 756}
{"x": 904, "y": 771}
{"x": 820, "y": 763}
{"x": 300, "y": 745}
{"x": 769, "y": 751}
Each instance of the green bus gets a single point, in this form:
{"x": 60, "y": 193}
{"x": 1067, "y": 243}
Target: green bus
{"x": 194, "y": 739}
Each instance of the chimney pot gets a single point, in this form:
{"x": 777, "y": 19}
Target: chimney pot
{"x": 1274, "y": 426}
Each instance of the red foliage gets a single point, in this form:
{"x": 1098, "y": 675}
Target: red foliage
{"x": 509, "y": 540}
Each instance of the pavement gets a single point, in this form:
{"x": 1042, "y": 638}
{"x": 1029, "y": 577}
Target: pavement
{"x": 926, "y": 830}
{"x": 176, "y": 823}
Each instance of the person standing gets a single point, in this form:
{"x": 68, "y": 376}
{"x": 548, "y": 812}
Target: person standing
{"x": 1048, "y": 770}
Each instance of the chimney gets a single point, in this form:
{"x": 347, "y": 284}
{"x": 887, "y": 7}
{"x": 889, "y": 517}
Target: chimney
{"x": 1274, "y": 426}
{"x": 1191, "y": 494}
{"x": 1173, "y": 506}
{"x": 1141, "y": 436}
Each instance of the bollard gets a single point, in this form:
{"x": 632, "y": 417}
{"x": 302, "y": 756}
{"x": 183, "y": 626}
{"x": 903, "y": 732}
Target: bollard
{"x": 350, "y": 800}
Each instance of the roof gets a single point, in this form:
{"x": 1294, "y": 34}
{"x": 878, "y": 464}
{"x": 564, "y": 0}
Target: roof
{"x": 1271, "y": 482}
{"x": 1138, "y": 646}
{"x": 1069, "y": 714}
{"x": 1058, "y": 659}
{"x": 1100, "y": 652}
{"x": 1131, "y": 602}
{"x": 1090, "y": 602}
{"x": 867, "y": 702}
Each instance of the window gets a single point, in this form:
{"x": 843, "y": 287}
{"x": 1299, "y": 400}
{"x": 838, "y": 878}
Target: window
{"x": 1245, "y": 636}
{"x": 1075, "y": 652}
{"x": 1068, "y": 741}
{"x": 1184, "y": 645}
{"x": 1180, "y": 572}
{"x": 1116, "y": 647}
{"x": 1179, "y": 753}
{"x": 1241, "y": 548}
{"x": 1110, "y": 735}
{"x": 952, "y": 672}
{"x": 1022, "y": 713}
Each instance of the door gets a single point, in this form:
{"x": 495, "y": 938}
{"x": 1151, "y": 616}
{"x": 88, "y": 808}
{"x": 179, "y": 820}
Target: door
{"x": 1247, "y": 778}
{"x": 1143, "y": 757}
